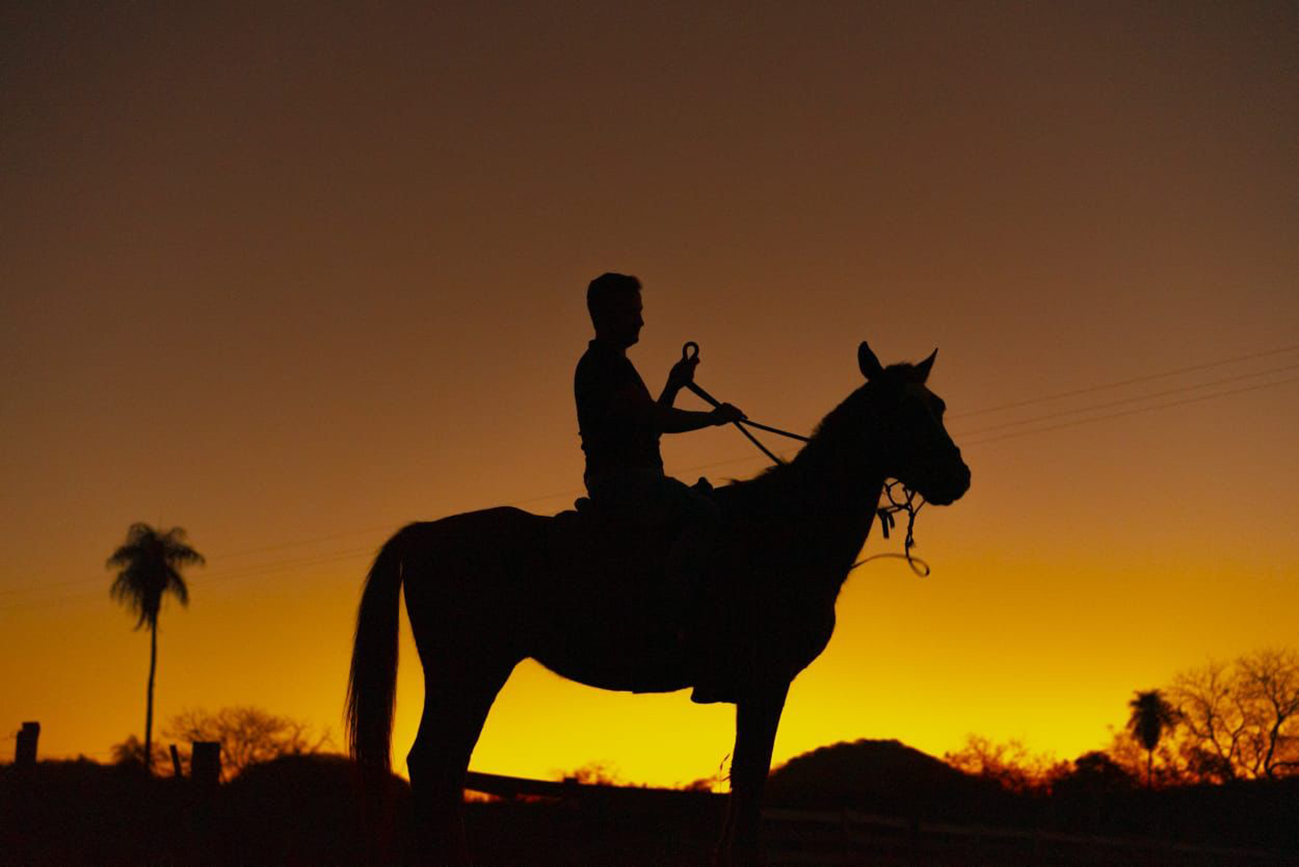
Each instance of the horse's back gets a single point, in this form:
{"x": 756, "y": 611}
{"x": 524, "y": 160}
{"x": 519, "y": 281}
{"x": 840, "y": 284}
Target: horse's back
{"x": 568, "y": 589}
{"x": 467, "y": 529}
{"x": 469, "y": 569}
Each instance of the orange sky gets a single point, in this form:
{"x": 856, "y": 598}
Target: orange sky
{"x": 291, "y": 280}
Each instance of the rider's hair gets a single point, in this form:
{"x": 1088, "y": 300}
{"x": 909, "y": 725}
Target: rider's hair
{"x": 604, "y": 289}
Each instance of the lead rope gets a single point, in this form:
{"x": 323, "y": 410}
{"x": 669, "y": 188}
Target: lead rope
{"x": 886, "y": 514}
{"x": 887, "y": 522}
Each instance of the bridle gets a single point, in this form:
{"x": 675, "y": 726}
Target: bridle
{"x": 911, "y": 502}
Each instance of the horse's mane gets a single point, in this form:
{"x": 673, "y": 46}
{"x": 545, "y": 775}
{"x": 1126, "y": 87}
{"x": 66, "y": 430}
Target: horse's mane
{"x": 839, "y": 430}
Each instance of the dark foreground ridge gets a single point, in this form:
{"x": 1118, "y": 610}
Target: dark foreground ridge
{"x": 865, "y": 802}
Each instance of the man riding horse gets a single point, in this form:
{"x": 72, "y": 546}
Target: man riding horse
{"x": 488, "y": 589}
{"x": 620, "y": 425}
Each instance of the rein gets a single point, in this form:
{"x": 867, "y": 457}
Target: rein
{"x": 688, "y": 355}
{"x": 911, "y": 501}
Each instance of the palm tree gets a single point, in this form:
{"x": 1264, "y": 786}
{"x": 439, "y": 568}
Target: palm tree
{"x": 149, "y": 566}
{"x": 1151, "y": 715}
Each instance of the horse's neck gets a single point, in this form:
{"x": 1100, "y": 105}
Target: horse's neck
{"x": 839, "y": 493}
{"x": 842, "y": 467}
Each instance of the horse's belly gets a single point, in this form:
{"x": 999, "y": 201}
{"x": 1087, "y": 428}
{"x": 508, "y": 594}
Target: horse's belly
{"x": 614, "y": 655}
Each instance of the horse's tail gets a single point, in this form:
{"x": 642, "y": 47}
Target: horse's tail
{"x": 372, "y": 685}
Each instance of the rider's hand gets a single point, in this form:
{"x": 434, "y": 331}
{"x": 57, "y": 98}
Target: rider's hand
{"x": 682, "y": 373}
{"x": 725, "y": 414}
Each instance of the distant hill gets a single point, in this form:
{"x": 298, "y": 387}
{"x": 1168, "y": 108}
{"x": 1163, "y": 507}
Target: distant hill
{"x": 885, "y": 778}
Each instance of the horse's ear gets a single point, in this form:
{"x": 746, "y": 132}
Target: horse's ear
{"x": 923, "y": 368}
{"x": 866, "y": 360}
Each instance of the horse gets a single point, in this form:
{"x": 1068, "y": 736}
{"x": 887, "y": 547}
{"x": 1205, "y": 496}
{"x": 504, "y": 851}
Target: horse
{"x": 488, "y": 589}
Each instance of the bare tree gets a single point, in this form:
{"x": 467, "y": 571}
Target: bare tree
{"x": 248, "y": 735}
{"x": 1208, "y": 704}
{"x": 131, "y": 752}
{"x": 1269, "y": 684}
{"x": 598, "y": 773}
{"x": 1010, "y": 765}
{"x": 1240, "y": 720}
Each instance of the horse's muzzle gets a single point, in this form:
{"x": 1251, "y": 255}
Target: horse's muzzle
{"x": 948, "y": 490}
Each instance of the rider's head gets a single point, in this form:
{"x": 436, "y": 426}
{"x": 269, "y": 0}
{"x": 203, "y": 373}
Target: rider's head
{"x": 614, "y": 303}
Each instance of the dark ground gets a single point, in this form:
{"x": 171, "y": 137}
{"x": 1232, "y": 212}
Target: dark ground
{"x": 306, "y": 810}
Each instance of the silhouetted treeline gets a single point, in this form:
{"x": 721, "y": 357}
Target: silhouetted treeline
{"x": 1219, "y": 723}
{"x": 247, "y": 736}
{"x": 294, "y": 810}
{"x": 1236, "y": 720}
{"x": 1095, "y": 796}
{"x": 307, "y": 810}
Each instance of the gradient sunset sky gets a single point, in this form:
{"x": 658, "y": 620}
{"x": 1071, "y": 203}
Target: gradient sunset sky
{"x": 292, "y": 275}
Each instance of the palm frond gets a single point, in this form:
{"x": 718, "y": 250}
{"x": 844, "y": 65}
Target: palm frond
{"x": 123, "y": 591}
{"x": 124, "y": 555}
{"x": 177, "y": 586}
{"x": 149, "y": 565}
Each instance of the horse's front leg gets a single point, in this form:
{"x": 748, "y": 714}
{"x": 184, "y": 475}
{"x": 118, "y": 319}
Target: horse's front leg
{"x": 756, "y": 720}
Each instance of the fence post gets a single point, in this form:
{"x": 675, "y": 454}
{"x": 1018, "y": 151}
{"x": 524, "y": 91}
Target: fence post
{"x": 205, "y": 763}
{"x": 175, "y": 761}
{"x": 25, "y": 757}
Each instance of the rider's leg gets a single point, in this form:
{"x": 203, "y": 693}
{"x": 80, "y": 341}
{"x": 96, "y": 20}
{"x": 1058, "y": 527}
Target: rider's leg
{"x": 657, "y": 507}
{"x": 695, "y": 588}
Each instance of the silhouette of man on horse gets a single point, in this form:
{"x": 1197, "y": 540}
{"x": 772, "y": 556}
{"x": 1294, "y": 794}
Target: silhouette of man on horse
{"x": 620, "y": 423}
{"x": 487, "y": 589}
{"x": 664, "y": 524}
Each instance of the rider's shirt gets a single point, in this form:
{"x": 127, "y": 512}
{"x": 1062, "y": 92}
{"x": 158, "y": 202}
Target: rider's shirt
{"x": 615, "y": 414}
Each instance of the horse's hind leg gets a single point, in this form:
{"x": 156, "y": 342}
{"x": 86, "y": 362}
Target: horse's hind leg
{"x": 456, "y": 701}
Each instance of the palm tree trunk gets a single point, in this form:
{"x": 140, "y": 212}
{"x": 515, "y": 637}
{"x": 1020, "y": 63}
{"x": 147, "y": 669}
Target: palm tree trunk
{"x": 1150, "y": 759}
{"x": 148, "y": 714}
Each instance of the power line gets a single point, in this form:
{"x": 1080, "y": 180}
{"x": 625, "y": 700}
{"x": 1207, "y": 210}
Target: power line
{"x": 206, "y": 575}
{"x": 290, "y": 564}
{"x": 297, "y": 563}
{"x": 1120, "y": 383}
{"x": 1128, "y": 400}
{"x": 279, "y": 546}
{"x": 206, "y": 580}
{"x": 1136, "y": 411}
{"x": 389, "y": 528}
{"x": 293, "y": 563}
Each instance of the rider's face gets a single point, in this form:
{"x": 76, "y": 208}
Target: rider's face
{"x": 624, "y": 322}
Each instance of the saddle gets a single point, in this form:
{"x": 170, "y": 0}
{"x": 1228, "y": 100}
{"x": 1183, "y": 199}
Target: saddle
{"x": 636, "y": 546}
{"x": 604, "y": 547}
{"x": 634, "y": 565}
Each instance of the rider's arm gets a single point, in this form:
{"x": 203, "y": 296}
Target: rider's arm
{"x": 669, "y": 419}
{"x": 666, "y": 418}
{"x": 672, "y": 420}
{"x": 681, "y": 374}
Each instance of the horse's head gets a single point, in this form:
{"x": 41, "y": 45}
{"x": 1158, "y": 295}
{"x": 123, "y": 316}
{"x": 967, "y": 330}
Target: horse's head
{"x": 914, "y": 446}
